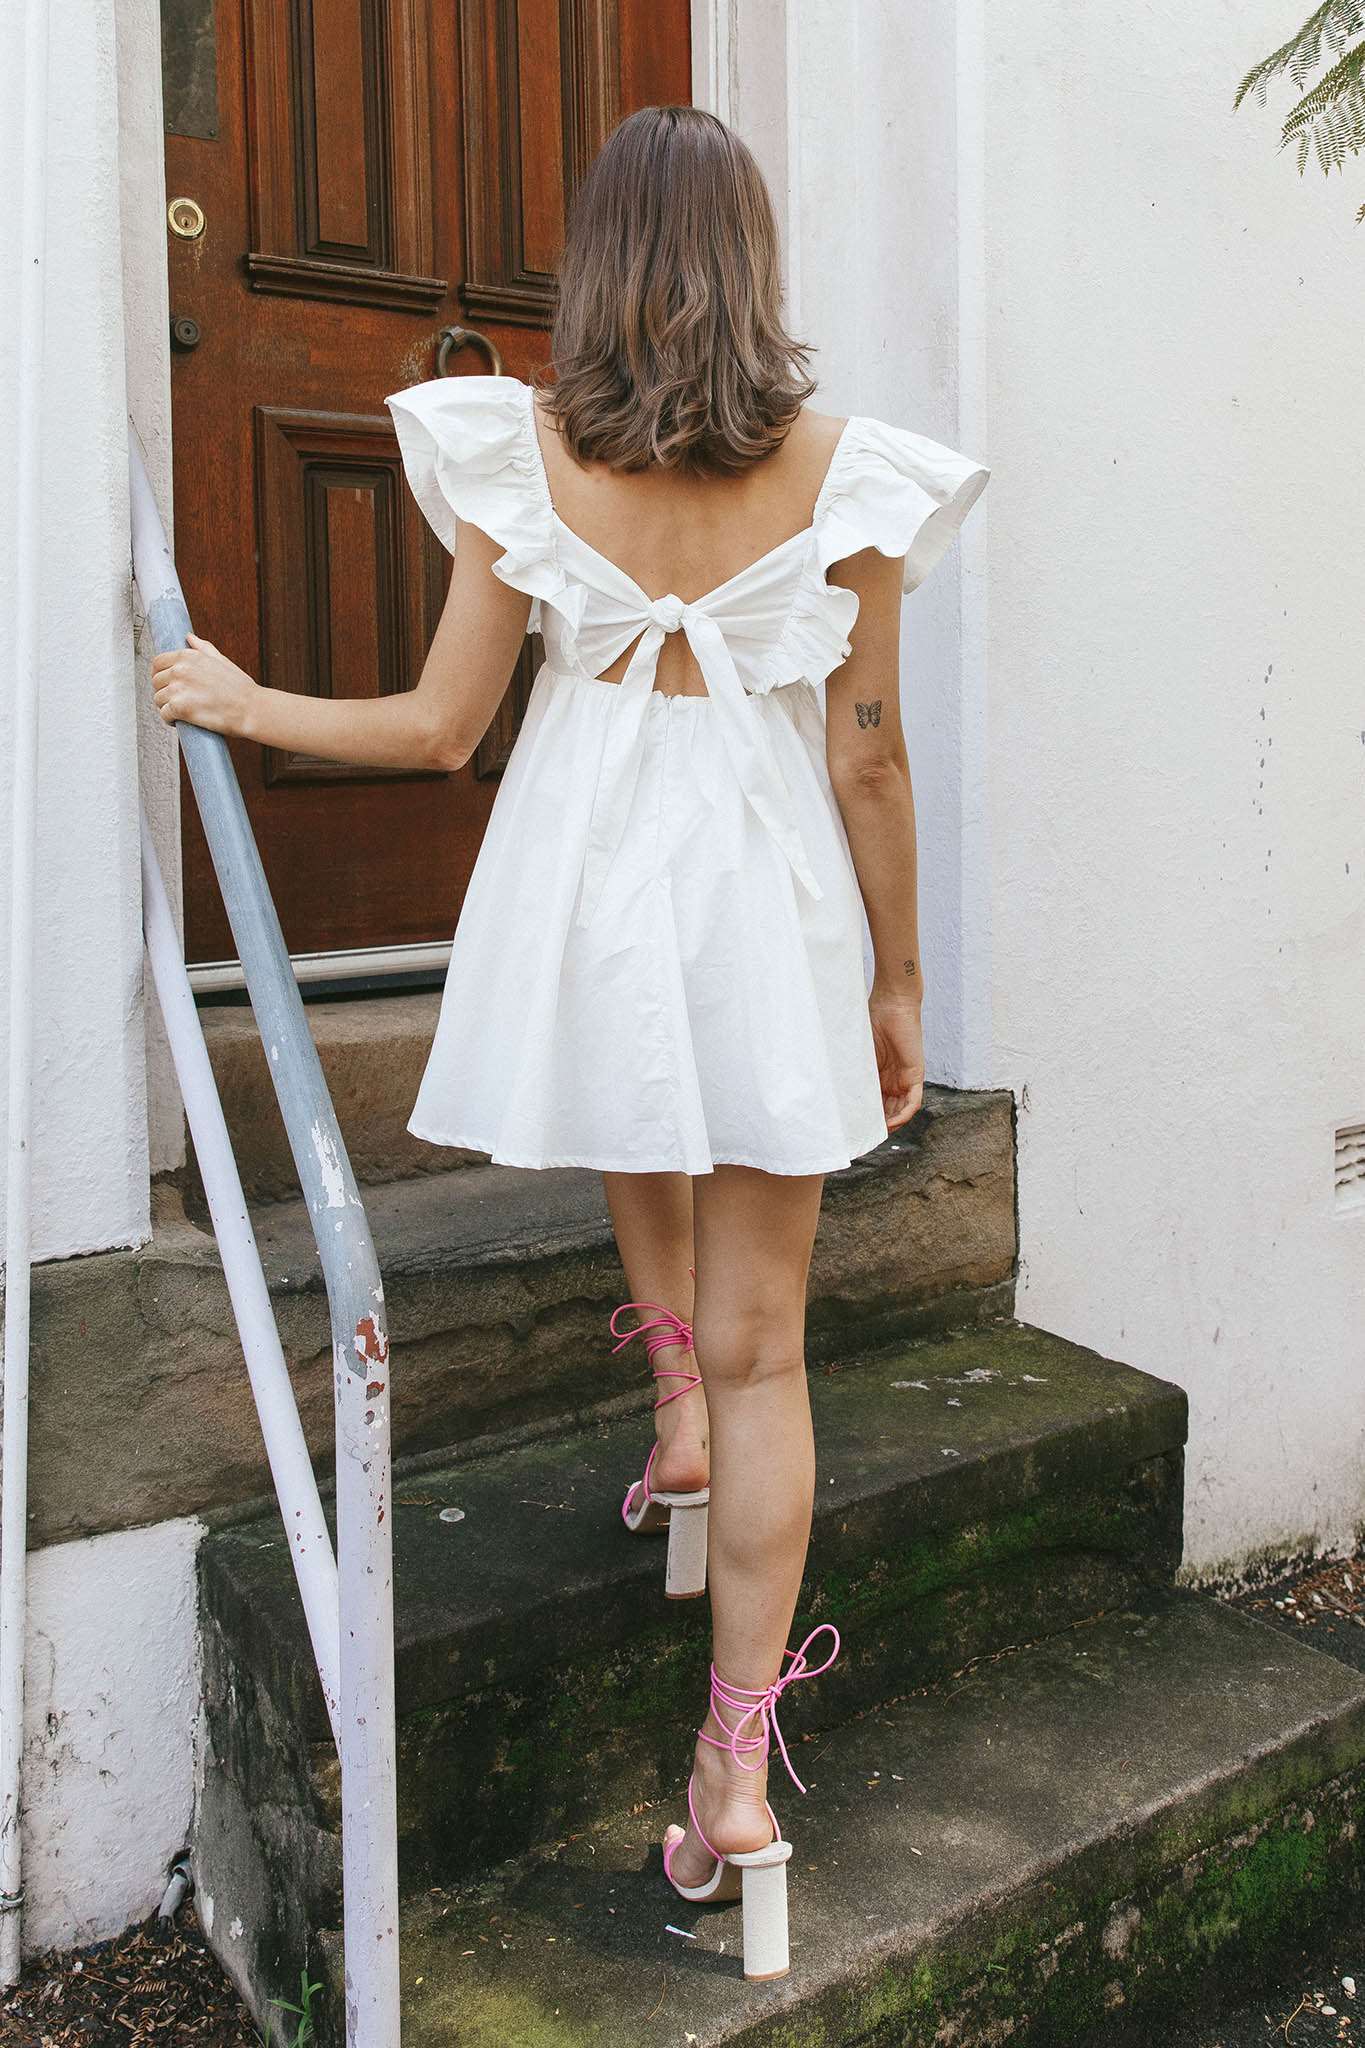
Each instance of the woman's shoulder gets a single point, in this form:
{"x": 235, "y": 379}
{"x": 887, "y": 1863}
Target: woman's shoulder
{"x": 896, "y": 489}
{"x": 474, "y": 390}
{"x": 823, "y": 427}
{"x": 468, "y": 450}
{"x": 453, "y": 399}
{"x": 477, "y": 422}
{"x": 870, "y": 441}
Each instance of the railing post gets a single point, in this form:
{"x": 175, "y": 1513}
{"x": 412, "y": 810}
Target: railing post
{"x": 291, "y": 1468}
{"x": 360, "y": 1348}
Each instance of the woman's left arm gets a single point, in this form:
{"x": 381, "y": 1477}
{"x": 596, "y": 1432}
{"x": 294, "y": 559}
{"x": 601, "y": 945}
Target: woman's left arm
{"x": 437, "y": 724}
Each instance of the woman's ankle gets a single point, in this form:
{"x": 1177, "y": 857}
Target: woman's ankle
{"x": 682, "y": 1463}
{"x": 731, "y": 1801}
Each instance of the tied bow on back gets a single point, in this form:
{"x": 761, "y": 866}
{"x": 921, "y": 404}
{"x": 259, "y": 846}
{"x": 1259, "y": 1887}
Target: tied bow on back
{"x": 747, "y": 745}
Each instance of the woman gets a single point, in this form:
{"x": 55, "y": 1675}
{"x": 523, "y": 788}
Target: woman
{"x": 658, "y": 969}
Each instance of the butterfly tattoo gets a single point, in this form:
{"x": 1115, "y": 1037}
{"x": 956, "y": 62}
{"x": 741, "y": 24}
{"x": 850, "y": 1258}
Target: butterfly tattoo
{"x": 869, "y": 714}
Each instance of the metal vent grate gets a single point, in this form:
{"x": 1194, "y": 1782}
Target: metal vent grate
{"x": 1350, "y": 1166}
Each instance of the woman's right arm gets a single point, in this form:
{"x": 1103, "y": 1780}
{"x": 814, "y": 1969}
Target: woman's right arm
{"x": 436, "y": 724}
{"x": 870, "y": 773}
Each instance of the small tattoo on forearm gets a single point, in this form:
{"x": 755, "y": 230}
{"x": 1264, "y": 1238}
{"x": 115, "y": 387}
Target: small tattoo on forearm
{"x": 869, "y": 714}
{"x": 910, "y": 967}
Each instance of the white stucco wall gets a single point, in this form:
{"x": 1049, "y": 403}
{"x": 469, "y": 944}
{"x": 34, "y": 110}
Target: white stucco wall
{"x": 109, "y": 1718}
{"x": 1177, "y": 737}
{"x": 90, "y": 1184}
{"x": 1133, "y": 693}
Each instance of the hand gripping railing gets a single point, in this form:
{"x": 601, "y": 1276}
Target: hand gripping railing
{"x": 347, "y": 1601}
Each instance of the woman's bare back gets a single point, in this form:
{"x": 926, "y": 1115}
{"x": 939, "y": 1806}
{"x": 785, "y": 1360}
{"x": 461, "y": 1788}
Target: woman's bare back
{"x": 687, "y": 534}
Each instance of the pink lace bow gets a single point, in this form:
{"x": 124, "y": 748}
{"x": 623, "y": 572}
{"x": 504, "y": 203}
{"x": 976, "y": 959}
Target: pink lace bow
{"x": 665, "y": 1330}
{"x": 750, "y": 1703}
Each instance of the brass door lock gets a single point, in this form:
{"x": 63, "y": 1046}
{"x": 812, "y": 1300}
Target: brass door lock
{"x": 186, "y": 217}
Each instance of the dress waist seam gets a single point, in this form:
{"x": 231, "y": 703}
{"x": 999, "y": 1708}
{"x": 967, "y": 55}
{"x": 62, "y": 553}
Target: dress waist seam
{"x": 572, "y": 675}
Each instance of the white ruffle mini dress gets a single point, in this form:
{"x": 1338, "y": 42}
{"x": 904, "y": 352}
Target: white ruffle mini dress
{"x": 658, "y": 965}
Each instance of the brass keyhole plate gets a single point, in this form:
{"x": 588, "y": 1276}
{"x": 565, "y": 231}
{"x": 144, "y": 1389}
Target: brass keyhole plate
{"x": 186, "y": 217}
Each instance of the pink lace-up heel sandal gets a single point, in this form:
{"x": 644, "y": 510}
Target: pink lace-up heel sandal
{"x": 757, "y": 1876}
{"x": 646, "y": 1513}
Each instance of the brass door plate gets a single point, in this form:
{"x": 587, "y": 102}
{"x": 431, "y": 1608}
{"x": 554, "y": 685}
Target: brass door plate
{"x": 186, "y": 217}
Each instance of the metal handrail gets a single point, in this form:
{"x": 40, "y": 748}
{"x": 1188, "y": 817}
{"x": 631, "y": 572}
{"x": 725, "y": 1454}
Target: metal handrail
{"x": 356, "y": 1636}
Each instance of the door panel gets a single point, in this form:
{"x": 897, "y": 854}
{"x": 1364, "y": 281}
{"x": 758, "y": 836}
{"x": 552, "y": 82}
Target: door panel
{"x": 370, "y": 173}
{"x": 339, "y": 163}
{"x": 348, "y": 600}
{"x": 526, "y": 147}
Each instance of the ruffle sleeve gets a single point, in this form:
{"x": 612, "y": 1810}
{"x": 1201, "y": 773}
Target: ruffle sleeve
{"x": 898, "y": 492}
{"x": 468, "y": 454}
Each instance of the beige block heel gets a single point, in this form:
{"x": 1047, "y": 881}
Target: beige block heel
{"x": 763, "y": 1895}
{"x": 758, "y": 1880}
{"x": 685, "y": 1572}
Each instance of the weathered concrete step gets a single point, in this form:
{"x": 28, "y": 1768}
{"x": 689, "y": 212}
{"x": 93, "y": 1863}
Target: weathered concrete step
{"x": 372, "y": 1049}
{"x": 499, "y": 1285}
{"x": 972, "y": 1490}
{"x": 1070, "y": 1844}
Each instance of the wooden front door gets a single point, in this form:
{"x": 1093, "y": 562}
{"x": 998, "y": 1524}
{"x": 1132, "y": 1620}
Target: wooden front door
{"x": 350, "y": 182}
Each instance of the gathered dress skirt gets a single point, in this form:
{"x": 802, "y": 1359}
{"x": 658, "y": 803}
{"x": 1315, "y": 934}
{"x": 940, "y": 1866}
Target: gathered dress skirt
{"x": 712, "y": 1012}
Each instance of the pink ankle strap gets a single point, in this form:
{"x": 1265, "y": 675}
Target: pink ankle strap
{"x": 665, "y": 1331}
{"x": 752, "y": 1703}
{"x": 640, "y": 1486}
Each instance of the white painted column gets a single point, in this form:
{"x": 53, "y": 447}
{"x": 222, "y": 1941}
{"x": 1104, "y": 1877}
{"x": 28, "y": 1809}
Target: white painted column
{"x": 111, "y": 1699}
{"x": 868, "y": 124}
{"x": 146, "y": 318}
{"x": 89, "y": 1164}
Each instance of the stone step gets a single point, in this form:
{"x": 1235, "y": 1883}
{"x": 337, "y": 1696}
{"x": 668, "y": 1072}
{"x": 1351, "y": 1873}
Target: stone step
{"x": 1072, "y": 1843}
{"x": 372, "y": 1051}
{"x": 499, "y": 1283}
{"x": 498, "y": 1286}
{"x": 972, "y": 1489}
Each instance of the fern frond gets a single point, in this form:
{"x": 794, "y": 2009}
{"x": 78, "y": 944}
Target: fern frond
{"x": 1332, "y": 86}
{"x": 1327, "y": 30}
{"x": 1332, "y": 116}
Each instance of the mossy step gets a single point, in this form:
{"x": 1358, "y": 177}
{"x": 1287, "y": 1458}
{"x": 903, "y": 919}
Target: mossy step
{"x": 498, "y": 1287}
{"x": 498, "y": 1283}
{"x": 972, "y": 1490}
{"x": 1072, "y": 1842}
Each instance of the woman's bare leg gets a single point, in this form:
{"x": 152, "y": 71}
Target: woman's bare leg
{"x": 651, "y": 1214}
{"x": 754, "y": 1234}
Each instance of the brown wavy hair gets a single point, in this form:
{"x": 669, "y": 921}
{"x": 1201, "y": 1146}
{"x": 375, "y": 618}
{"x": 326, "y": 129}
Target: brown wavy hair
{"x": 668, "y": 346}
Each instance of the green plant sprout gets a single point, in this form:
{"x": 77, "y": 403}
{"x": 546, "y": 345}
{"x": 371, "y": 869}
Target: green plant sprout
{"x": 303, "y": 2011}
